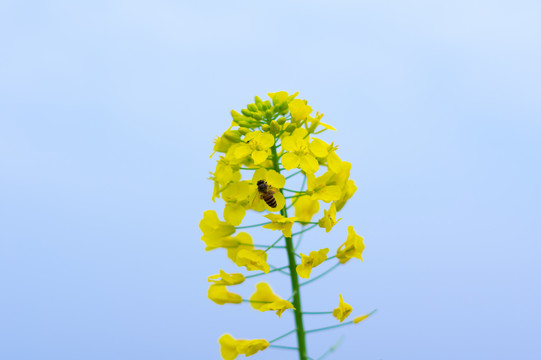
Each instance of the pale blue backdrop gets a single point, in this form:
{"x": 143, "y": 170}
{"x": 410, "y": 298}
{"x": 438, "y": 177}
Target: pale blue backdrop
{"x": 107, "y": 114}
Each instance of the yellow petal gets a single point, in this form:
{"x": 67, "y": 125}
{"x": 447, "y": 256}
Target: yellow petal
{"x": 275, "y": 179}
{"x": 290, "y": 161}
{"x": 259, "y": 156}
{"x": 308, "y": 164}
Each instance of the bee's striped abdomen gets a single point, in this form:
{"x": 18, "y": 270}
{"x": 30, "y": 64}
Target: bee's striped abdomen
{"x": 269, "y": 199}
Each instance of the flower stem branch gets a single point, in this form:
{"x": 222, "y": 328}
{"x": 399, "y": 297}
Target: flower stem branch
{"x": 321, "y": 275}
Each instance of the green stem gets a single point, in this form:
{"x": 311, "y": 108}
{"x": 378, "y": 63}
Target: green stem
{"x": 284, "y": 347}
{"x": 301, "y": 337}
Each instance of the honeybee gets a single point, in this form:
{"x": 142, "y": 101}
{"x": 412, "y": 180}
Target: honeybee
{"x": 266, "y": 191}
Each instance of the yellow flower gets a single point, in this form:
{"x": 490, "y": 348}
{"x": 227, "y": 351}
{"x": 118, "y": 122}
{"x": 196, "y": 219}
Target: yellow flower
{"x": 276, "y": 181}
{"x": 343, "y": 310}
{"x": 299, "y": 110}
{"x": 314, "y": 122}
{"x": 298, "y": 152}
{"x": 231, "y": 348}
{"x": 309, "y": 262}
{"x": 215, "y": 232}
{"x": 253, "y": 260}
{"x": 280, "y": 222}
{"x": 353, "y": 247}
{"x": 220, "y": 295}
{"x": 347, "y": 193}
{"x": 226, "y": 279}
{"x": 237, "y": 198}
{"x": 278, "y": 97}
{"x": 265, "y": 300}
{"x": 256, "y": 144}
{"x": 305, "y": 208}
{"x": 329, "y": 218}
{"x": 320, "y": 190}
{"x": 242, "y": 241}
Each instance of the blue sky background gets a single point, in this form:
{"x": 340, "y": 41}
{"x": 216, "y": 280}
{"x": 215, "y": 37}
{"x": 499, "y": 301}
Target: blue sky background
{"x": 107, "y": 114}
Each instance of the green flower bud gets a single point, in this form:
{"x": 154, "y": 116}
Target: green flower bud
{"x": 235, "y": 114}
{"x": 246, "y": 112}
{"x": 259, "y": 103}
{"x": 265, "y": 127}
{"x": 267, "y": 104}
{"x": 275, "y": 128}
{"x": 232, "y": 135}
{"x": 257, "y": 116}
{"x": 244, "y": 130}
{"x": 268, "y": 114}
{"x": 252, "y": 107}
{"x": 291, "y": 128}
{"x": 281, "y": 120}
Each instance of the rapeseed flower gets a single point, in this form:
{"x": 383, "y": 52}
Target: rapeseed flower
{"x": 352, "y": 248}
{"x": 253, "y": 260}
{"x": 298, "y": 152}
{"x": 224, "y": 278}
{"x": 305, "y": 208}
{"x": 343, "y": 310}
{"x": 280, "y": 222}
{"x": 220, "y": 295}
{"x": 329, "y": 218}
{"x": 231, "y": 348}
{"x": 265, "y": 300}
{"x": 309, "y": 262}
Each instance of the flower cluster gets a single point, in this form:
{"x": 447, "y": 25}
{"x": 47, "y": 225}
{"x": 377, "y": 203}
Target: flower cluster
{"x": 265, "y": 139}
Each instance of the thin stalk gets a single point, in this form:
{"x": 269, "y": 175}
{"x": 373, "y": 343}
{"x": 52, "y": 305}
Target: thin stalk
{"x": 251, "y": 226}
{"x": 273, "y": 270}
{"x": 321, "y": 275}
{"x": 290, "y": 176}
{"x": 303, "y": 230}
{"x": 274, "y": 243}
{"x": 283, "y": 336}
{"x": 283, "y": 347}
{"x": 317, "y": 312}
{"x": 301, "y": 337}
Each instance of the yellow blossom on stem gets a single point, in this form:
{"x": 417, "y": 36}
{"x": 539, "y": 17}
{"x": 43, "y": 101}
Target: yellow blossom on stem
{"x": 305, "y": 208}
{"x": 314, "y": 122}
{"x": 257, "y": 145}
{"x": 309, "y": 262}
{"x": 215, "y": 232}
{"x": 329, "y": 218}
{"x": 231, "y": 348}
{"x": 253, "y": 260}
{"x": 224, "y": 278}
{"x": 352, "y": 248}
{"x": 237, "y": 198}
{"x": 265, "y": 300}
{"x": 319, "y": 189}
{"x": 242, "y": 241}
{"x": 299, "y": 110}
{"x": 298, "y": 152}
{"x": 343, "y": 310}
{"x": 280, "y": 222}
{"x": 347, "y": 193}
{"x": 276, "y": 181}
{"x": 220, "y": 295}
